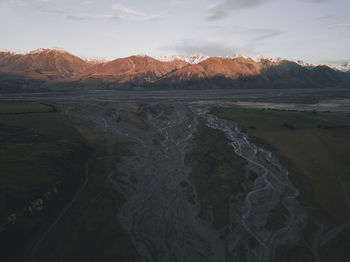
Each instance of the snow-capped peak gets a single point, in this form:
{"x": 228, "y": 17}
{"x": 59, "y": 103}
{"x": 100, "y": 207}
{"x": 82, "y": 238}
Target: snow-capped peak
{"x": 235, "y": 56}
{"x": 305, "y": 64}
{"x": 343, "y": 68}
{"x": 164, "y": 58}
{"x": 41, "y": 50}
{"x": 196, "y": 58}
{"x": 11, "y": 52}
{"x": 96, "y": 61}
{"x": 261, "y": 58}
{"x": 191, "y": 59}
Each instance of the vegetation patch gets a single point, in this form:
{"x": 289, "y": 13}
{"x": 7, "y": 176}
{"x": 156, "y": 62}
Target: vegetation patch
{"x": 16, "y": 108}
{"x": 315, "y": 147}
{"x": 91, "y": 229}
{"x": 41, "y": 165}
{"x": 217, "y": 172}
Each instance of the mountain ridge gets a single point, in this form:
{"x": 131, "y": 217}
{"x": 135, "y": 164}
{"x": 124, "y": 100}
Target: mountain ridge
{"x": 47, "y": 64}
{"x": 192, "y": 58}
{"x": 56, "y": 66}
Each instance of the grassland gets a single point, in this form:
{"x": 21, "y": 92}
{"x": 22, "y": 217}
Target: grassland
{"x": 302, "y": 138}
{"x": 29, "y": 144}
{"x": 13, "y": 108}
{"x": 217, "y": 172}
{"x": 38, "y": 151}
{"x": 90, "y": 230}
{"x": 39, "y": 148}
{"x": 315, "y": 147}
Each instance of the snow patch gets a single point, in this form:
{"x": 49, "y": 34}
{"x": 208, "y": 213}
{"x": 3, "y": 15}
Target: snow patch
{"x": 235, "y": 56}
{"x": 342, "y": 68}
{"x": 96, "y": 61}
{"x": 41, "y": 50}
{"x": 11, "y": 53}
{"x": 191, "y": 59}
{"x": 197, "y": 58}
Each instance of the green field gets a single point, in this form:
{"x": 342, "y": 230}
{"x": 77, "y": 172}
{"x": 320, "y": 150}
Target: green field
{"x": 11, "y": 108}
{"x": 39, "y": 147}
{"x": 308, "y": 142}
{"x": 90, "y": 230}
{"x": 269, "y": 120}
{"x": 29, "y": 144}
{"x": 314, "y": 147}
{"x": 217, "y": 172}
{"x": 39, "y": 150}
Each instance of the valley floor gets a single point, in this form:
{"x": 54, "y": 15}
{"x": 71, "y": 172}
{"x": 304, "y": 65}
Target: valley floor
{"x": 182, "y": 176}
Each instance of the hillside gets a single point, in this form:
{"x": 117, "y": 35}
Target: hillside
{"x": 134, "y": 69}
{"x": 45, "y": 69}
{"x": 216, "y": 66}
{"x": 43, "y": 64}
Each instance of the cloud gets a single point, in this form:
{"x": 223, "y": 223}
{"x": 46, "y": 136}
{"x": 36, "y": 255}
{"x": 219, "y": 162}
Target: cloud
{"x": 336, "y": 62}
{"x": 263, "y": 33}
{"x": 118, "y": 12}
{"x": 178, "y": 2}
{"x": 188, "y": 46}
{"x": 221, "y": 10}
{"x": 32, "y": 3}
{"x": 88, "y": 2}
{"x": 80, "y": 16}
{"x": 315, "y": 1}
{"x": 68, "y": 14}
{"x": 124, "y": 12}
{"x": 325, "y": 17}
{"x": 257, "y": 34}
{"x": 347, "y": 26}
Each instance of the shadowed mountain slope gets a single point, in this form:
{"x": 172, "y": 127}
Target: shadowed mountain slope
{"x": 58, "y": 69}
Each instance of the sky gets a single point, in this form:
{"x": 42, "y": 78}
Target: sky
{"x": 315, "y": 31}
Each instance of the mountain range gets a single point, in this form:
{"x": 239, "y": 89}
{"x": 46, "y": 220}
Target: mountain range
{"x": 55, "y": 68}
